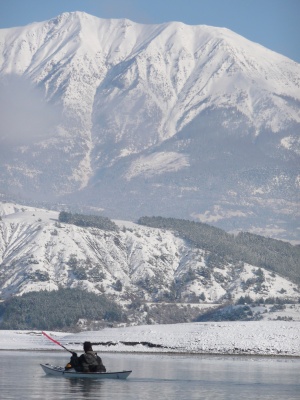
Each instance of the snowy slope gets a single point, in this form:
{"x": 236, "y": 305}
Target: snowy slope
{"x": 134, "y": 115}
{"x": 136, "y": 265}
{"x": 274, "y": 338}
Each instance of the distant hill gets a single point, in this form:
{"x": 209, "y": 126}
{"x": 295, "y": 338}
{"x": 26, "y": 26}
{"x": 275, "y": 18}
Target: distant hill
{"x": 173, "y": 271}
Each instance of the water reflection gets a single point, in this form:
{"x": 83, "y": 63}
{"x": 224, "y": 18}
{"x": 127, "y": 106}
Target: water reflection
{"x": 85, "y": 387}
{"x": 154, "y": 376}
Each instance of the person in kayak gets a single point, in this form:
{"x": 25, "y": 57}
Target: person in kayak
{"x": 87, "y": 362}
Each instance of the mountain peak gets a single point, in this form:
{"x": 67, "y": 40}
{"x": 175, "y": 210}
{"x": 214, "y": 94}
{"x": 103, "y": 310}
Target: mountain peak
{"x": 142, "y": 106}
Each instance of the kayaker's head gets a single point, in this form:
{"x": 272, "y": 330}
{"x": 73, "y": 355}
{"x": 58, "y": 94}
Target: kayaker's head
{"x": 87, "y": 346}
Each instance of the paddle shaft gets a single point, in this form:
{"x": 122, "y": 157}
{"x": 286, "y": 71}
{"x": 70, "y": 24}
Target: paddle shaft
{"x": 56, "y": 342}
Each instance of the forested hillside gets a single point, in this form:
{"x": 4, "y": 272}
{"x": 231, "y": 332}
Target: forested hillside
{"x": 94, "y": 221}
{"x": 57, "y": 310}
{"x": 275, "y": 255}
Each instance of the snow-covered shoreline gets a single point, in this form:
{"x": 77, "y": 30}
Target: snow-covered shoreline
{"x": 265, "y": 338}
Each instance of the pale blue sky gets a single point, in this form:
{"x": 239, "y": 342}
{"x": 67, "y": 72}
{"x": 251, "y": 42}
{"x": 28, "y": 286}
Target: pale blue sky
{"x": 272, "y": 23}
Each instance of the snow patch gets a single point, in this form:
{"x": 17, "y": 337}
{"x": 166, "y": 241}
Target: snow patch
{"x": 157, "y": 163}
{"x": 218, "y": 213}
{"x": 291, "y": 143}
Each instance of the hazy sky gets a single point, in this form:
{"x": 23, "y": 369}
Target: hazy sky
{"x": 272, "y": 23}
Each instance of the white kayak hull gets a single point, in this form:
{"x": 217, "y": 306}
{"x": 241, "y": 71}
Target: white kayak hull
{"x": 60, "y": 371}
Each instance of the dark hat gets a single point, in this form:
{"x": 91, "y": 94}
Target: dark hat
{"x": 87, "y": 346}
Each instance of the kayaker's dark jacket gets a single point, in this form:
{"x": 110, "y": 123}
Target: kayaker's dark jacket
{"x": 87, "y": 362}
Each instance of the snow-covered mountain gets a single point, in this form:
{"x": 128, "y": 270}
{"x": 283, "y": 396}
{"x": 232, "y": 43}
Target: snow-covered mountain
{"x": 173, "y": 120}
{"x": 133, "y": 265}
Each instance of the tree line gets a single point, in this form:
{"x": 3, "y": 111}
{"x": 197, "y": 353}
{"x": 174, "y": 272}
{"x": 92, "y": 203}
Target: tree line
{"x": 94, "y": 221}
{"x": 271, "y": 254}
{"x": 59, "y": 309}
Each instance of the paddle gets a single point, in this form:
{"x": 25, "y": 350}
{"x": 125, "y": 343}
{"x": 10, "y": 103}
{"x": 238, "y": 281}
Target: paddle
{"x": 55, "y": 341}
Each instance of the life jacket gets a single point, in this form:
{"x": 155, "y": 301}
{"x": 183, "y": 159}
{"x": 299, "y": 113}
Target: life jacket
{"x": 94, "y": 362}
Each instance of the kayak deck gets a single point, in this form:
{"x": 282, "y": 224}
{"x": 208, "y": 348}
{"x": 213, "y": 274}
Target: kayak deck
{"x": 60, "y": 371}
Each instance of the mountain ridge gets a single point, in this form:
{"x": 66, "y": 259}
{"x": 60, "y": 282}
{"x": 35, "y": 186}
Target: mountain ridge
{"x": 141, "y": 113}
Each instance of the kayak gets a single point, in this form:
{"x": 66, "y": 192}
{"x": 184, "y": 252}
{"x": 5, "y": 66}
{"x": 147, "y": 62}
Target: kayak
{"x": 71, "y": 373}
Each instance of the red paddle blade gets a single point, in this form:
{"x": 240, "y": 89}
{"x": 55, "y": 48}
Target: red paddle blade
{"x": 53, "y": 340}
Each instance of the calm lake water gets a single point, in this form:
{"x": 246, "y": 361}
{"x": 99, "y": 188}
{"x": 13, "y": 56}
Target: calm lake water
{"x": 153, "y": 377}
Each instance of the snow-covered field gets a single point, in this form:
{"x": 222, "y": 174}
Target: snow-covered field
{"x": 278, "y": 338}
